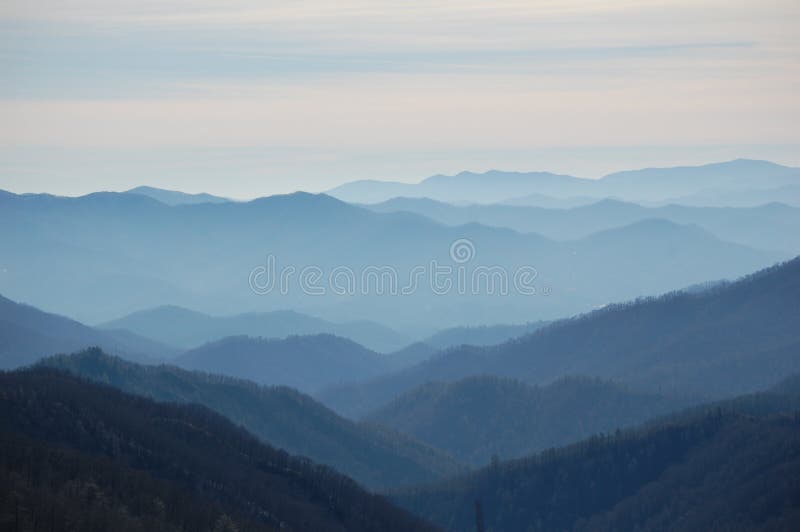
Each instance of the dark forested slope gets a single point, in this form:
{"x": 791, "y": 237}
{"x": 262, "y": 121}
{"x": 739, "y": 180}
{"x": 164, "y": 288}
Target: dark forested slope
{"x": 715, "y": 471}
{"x": 82, "y": 456}
{"x": 279, "y": 416}
{"x": 477, "y": 418}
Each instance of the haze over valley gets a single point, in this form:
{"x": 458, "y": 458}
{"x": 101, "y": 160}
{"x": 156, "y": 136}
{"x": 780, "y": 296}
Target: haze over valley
{"x": 399, "y": 266}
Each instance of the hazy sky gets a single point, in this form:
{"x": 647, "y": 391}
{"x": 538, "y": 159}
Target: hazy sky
{"x": 252, "y": 97}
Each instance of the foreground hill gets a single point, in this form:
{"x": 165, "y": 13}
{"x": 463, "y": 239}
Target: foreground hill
{"x": 722, "y": 470}
{"x": 118, "y": 253}
{"x": 729, "y": 339}
{"x": 280, "y": 416}
{"x": 79, "y": 455}
{"x": 478, "y": 418}
{"x": 28, "y": 334}
{"x": 188, "y": 329}
{"x": 308, "y": 363}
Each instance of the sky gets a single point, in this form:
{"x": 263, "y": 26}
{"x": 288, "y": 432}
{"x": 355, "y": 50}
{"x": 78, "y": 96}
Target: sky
{"x": 244, "y": 98}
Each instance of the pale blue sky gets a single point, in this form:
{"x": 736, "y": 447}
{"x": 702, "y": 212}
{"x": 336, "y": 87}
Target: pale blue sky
{"x": 245, "y": 98}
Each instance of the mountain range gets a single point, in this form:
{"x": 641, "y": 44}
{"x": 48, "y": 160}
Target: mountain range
{"x": 770, "y": 226}
{"x": 110, "y": 254}
{"x": 189, "y": 329}
{"x": 726, "y": 340}
{"x": 650, "y": 184}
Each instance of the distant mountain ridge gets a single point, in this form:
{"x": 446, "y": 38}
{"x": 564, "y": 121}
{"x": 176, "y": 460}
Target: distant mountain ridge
{"x": 308, "y": 363}
{"x": 174, "y": 197}
{"x": 28, "y": 334}
{"x": 480, "y": 335}
{"x": 189, "y": 329}
{"x": 649, "y": 184}
{"x": 119, "y": 253}
{"x": 769, "y": 226}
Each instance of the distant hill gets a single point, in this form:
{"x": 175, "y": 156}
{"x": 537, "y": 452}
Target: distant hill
{"x": 118, "y": 253}
{"x": 490, "y": 187}
{"x": 788, "y": 194}
{"x": 307, "y": 363}
{"x": 649, "y": 184}
{"x": 477, "y": 418}
{"x": 659, "y": 183}
{"x": 280, "y": 416}
{"x": 548, "y": 202}
{"x": 713, "y": 471}
{"x": 411, "y": 355}
{"x": 188, "y": 329}
{"x": 173, "y": 197}
{"x": 85, "y": 455}
{"x": 727, "y": 340}
{"x": 484, "y": 335}
{"x": 28, "y": 334}
{"x": 766, "y": 226}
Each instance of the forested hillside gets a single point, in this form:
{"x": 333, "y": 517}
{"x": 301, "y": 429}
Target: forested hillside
{"x": 478, "y": 418}
{"x": 716, "y": 471}
{"x": 82, "y": 456}
{"x": 279, "y": 416}
{"x": 726, "y": 340}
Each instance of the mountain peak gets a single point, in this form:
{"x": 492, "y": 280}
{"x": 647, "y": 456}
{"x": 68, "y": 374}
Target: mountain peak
{"x": 175, "y": 197}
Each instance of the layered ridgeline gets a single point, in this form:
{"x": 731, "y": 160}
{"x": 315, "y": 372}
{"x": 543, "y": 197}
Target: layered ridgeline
{"x": 729, "y": 339}
{"x": 189, "y": 329}
{"x": 28, "y": 334}
{"x": 480, "y": 418}
{"x": 770, "y": 226}
{"x": 729, "y": 466}
{"x": 309, "y": 363}
{"x": 109, "y": 254}
{"x": 80, "y": 455}
{"x": 736, "y": 178}
{"x": 280, "y": 416}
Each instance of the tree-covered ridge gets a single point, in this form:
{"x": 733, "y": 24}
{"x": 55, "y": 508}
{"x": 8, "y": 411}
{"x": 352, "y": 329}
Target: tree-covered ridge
{"x": 280, "y": 416}
{"x": 731, "y": 339}
{"x": 46, "y": 487}
{"x": 477, "y": 418}
{"x": 725, "y": 472}
{"x": 91, "y": 438}
{"x": 733, "y": 465}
